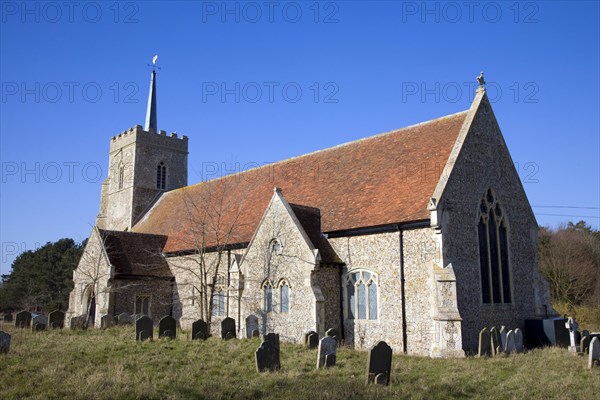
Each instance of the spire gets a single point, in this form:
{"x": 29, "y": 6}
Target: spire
{"x": 151, "y": 111}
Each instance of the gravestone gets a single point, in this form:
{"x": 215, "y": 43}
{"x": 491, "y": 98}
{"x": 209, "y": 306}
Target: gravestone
{"x": 144, "y": 328}
{"x": 330, "y": 360}
{"x": 78, "y": 322}
{"x": 228, "y": 328}
{"x": 267, "y": 357}
{"x": 333, "y": 333}
{"x": 56, "y": 319}
{"x": 199, "y": 330}
{"x": 124, "y": 319}
{"x": 23, "y": 319}
{"x": 495, "y": 341}
{"x": 503, "y": 332}
{"x": 311, "y": 340}
{"x": 39, "y": 323}
{"x": 572, "y": 326}
{"x": 327, "y": 346}
{"x": 255, "y": 333}
{"x": 594, "y": 356}
{"x": 519, "y": 341}
{"x": 379, "y": 366}
{"x": 273, "y": 338}
{"x": 8, "y": 317}
{"x": 510, "y": 342}
{"x": 485, "y": 345}
{"x": 167, "y": 327}
{"x": 106, "y": 321}
{"x": 585, "y": 333}
{"x": 584, "y": 344}
{"x": 251, "y": 325}
{"x": 4, "y": 342}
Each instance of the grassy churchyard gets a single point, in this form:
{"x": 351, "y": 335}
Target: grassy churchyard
{"x": 110, "y": 364}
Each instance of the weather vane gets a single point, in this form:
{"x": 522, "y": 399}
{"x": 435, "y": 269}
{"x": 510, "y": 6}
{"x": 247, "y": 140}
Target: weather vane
{"x": 480, "y": 80}
{"x": 153, "y": 65}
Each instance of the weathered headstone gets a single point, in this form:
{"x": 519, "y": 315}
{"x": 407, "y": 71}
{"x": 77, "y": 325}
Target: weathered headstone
{"x": 327, "y": 346}
{"x": 572, "y": 326}
{"x": 78, "y": 322}
{"x": 144, "y": 328}
{"x": 23, "y": 319}
{"x": 585, "y": 333}
{"x": 519, "y": 341}
{"x": 199, "y": 330}
{"x": 594, "y": 356}
{"x": 485, "y": 345}
{"x": 8, "y": 317}
{"x": 510, "y": 342}
{"x": 273, "y": 338}
{"x": 39, "y": 322}
{"x": 124, "y": 319}
{"x": 228, "y": 328}
{"x": 255, "y": 333}
{"x": 267, "y": 357}
{"x": 56, "y": 319}
{"x": 495, "y": 341}
{"x": 311, "y": 340}
{"x": 379, "y": 366}
{"x": 503, "y": 332}
{"x": 584, "y": 344}
{"x": 251, "y": 325}
{"x": 106, "y": 321}
{"x": 4, "y": 342}
{"x": 167, "y": 327}
{"x": 333, "y": 333}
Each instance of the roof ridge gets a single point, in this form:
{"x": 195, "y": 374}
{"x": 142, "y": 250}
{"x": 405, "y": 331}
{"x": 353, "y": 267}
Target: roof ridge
{"x": 317, "y": 152}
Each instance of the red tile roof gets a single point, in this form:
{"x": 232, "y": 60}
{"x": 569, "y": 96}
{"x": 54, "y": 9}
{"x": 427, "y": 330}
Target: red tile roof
{"x": 384, "y": 179}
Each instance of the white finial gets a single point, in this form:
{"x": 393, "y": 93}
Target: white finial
{"x": 154, "y": 59}
{"x": 481, "y": 80}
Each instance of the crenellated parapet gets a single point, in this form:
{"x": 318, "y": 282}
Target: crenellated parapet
{"x": 137, "y": 134}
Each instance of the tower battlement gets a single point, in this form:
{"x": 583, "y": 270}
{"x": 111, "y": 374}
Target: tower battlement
{"x": 137, "y": 134}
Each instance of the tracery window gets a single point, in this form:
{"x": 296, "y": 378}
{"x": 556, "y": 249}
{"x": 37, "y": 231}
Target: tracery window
{"x": 361, "y": 295}
{"x": 142, "y": 304}
{"x": 161, "y": 176}
{"x": 284, "y": 296}
{"x": 218, "y": 303}
{"x": 267, "y": 296}
{"x": 492, "y": 232}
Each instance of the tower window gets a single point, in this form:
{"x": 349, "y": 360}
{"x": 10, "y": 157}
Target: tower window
{"x": 121, "y": 175}
{"x": 161, "y": 176}
{"x": 493, "y": 251}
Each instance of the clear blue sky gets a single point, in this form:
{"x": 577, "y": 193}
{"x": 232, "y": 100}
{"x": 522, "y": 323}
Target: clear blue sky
{"x": 256, "y": 82}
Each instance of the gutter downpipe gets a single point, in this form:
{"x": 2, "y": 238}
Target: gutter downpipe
{"x": 402, "y": 290}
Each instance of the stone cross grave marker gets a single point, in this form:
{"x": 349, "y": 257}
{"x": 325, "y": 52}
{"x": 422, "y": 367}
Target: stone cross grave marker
{"x": 167, "y": 327}
{"x": 503, "y": 332}
{"x": 23, "y": 319}
{"x": 106, "y": 321}
{"x": 251, "y": 325}
{"x": 495, "y": 341}
{"x": 124, "y": 319}
{"x": 267, "y": 357}
{"x": 485, "y": 344}
{"x": 56, "y": 319}
{"x": 572, "y": 326}
{"x": 144, "y": 328}
{"x": 379, "y": 366}
{"x": 519, "y": 341}
{"x": 4, "y": 342}
{"x": 39, "y": 323}
{"x": 510, "y": 342}
{"x": 327, "y": 347}
{"x": 594, "y": 356}
{"x": 8, "y": 317}
{"x": 311, "y": 340}
{"x": 228, "y": 328}
{"x": 199, "y": 330}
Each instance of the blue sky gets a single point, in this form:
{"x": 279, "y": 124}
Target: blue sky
{"x": 256, "y": 82}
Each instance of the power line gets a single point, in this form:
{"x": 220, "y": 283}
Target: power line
{"x": 565, "y": 215}
{"x": 582, "y": 208}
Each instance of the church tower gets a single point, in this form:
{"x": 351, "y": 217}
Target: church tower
{"x": 143, "y": 164}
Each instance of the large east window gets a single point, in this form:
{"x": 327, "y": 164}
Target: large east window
{"x": 361, "y": 295}
{"x": 493, "y": 251}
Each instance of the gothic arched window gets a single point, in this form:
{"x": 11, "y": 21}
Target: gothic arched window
{"x": 284, "y": 296}
{"x": 161, "y": 176}
{"x": 492, "y": 232}
{"x": 361, "y": 295}
{"x": 121, "y": 175}
{"x": 218, "y": 303}
{"x": 267, "y": 296}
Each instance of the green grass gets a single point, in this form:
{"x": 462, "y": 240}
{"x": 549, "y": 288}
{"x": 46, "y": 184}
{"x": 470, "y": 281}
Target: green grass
{"x": 111, "y": 365}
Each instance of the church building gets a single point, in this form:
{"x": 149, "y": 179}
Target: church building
{"x": 420, "y": 237}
